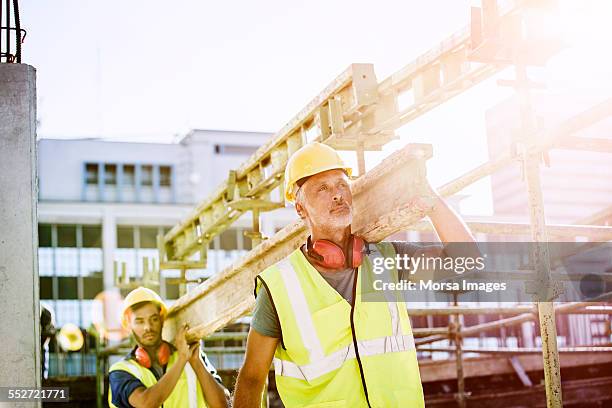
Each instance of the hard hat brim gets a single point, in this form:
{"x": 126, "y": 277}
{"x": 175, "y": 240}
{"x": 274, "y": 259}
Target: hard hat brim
{"x": 290, "y": 193}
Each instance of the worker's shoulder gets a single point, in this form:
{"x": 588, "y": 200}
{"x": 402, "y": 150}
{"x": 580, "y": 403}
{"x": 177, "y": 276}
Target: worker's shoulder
{"x": 277, "y": 267}
{"x": 126, "y": 364}
{"x": 383, "y": 248}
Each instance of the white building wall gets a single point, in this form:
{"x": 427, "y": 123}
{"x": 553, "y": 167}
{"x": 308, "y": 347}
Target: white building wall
{"x": 61, "y": 162}
{"x": 208, "y": 168}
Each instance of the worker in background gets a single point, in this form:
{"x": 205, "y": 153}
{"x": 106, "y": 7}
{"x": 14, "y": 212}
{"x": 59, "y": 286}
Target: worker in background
{"x": 155, "y": 372}
{"x": 329, "y": 348}
{"x": 47, "y": 331}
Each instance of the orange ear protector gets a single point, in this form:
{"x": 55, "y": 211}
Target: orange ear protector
{"x": 163, "y": 355}
{"x": 330, "y": 255}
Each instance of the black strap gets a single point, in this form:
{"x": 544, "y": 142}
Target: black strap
{"x": 363, "y": 381}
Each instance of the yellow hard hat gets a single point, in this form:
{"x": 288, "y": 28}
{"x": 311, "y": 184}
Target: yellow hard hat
{"x": 70, "y": 337}
{"x": 311, "y": 159}
{"x": 138, "y": 295}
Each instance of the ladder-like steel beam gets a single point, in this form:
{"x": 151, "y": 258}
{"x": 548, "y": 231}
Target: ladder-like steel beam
{"x": 354, "y": 112}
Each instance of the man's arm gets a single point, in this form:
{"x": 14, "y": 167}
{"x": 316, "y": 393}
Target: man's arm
{"x": 451, "y": 229}
{"x": 214, "y": 393}
{"x": 254, "y": 371}
{"x": 448, "y": 224}
{"x": 155, "y": 395}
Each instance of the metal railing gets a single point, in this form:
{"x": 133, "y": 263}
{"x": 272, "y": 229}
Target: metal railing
{"x": 11, "y": 33}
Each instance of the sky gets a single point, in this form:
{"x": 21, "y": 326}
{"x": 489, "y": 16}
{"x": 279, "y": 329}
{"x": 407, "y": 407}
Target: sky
{"x": 153, "y": 69}
{"x": 150, "y": 71}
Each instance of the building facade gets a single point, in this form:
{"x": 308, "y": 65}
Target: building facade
{"x": 101, "y": 202}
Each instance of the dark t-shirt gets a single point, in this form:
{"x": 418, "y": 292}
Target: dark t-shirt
{"x": 265, "y": 320}
{"x": 123, "y": 384}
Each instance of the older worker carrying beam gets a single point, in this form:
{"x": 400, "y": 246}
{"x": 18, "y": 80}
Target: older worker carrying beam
{"x": 330, "y": 348}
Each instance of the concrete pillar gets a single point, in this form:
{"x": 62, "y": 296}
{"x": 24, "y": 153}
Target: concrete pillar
{"x": 109, "y": 245}
{"x": 19, "y": 308}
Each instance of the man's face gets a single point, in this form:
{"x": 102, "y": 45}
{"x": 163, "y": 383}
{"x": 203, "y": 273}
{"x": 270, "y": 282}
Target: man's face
{"x": 324, "y": 201}
{"x": 146, "y": 324}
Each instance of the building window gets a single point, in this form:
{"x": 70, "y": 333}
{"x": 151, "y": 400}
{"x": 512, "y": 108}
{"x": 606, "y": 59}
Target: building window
{"x": 92, "y": 236}
{"x": 228, "y": 240}
{"x": 165, "y": 176}
{"x": 92, "y": 286}
{"x": 129, "y": 175}
{"x": 235, "y": 150}
{"x": 172, "y": 291}
{"x": 125, "y": 237}
{"x": 66, "y": 236}
{"x": 46, "y": 287}
{"x": 68, "y": 287}
{"x": 148, "y": 237}
{"x": 70, "y": 264}
{"x": 44, "y": 236}
{"x": 147, "y": 175}
{"x": 135, "y": 243}
{"x": 91, "y": 173}
{"x": 110, "y": 174}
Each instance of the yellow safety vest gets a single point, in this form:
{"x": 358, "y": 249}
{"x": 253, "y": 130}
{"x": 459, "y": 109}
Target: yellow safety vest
{"x": 331, "y": 353}
{"x": 187, "y": 392}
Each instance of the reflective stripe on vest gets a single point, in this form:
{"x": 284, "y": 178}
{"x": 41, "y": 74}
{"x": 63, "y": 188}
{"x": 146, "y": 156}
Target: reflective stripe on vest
{"x": 149, "y": 380}
{"x": 300, "y": 308}
{"x": 334, "y": 361}
{"x": 133, "y": 369}
{"x": 192, "y": 389}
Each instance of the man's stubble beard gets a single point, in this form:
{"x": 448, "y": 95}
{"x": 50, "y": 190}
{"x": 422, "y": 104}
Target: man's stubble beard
{"x": 148, "y": 343}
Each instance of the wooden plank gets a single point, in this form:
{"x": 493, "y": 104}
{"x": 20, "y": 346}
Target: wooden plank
{"x": 380, "y": 208}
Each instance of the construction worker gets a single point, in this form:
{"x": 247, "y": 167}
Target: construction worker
{"x": 47, "y": 331}
{"x": 330, "y": 348}
{"x": 156, "y": 373}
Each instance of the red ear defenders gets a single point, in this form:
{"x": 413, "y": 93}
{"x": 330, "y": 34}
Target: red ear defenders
{"x": 330, "y": 255}
{"x": 163, "y": 355}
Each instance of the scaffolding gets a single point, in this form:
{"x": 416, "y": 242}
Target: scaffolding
{"x": 355, "y": 112}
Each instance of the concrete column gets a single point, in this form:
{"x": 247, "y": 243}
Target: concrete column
{"x": 19, "y": 308}
{"x": 109, "y": 245}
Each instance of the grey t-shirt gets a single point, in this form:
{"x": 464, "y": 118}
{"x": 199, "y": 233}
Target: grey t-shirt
{"x": 265, "y": 320}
